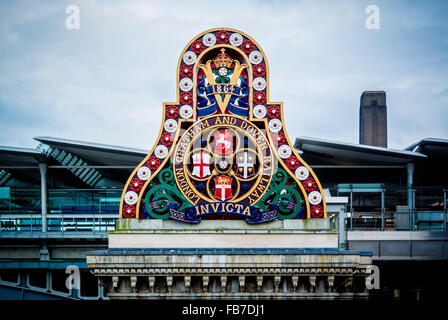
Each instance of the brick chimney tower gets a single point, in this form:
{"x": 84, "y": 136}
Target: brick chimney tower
{"x": 373, "y": 119}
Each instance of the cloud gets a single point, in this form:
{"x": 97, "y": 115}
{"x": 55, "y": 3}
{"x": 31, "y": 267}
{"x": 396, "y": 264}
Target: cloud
{"x": 106, "y": 82}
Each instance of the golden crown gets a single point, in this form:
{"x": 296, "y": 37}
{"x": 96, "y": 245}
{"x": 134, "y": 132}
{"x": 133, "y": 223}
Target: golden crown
{"x": 222, "y": 180}
{"x": 223, "y": 60}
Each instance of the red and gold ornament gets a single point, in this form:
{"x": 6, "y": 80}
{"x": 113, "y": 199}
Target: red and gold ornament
{"x": 247, "y": 46}
{"x": 259, "y": 70}
{"x": 186, "y": 98}
{"x": 259, "y": 98}
{"x": 167, "y": 139}
{"x": 153, "y": 163}
{"x": 292, "y": 163}
{"x": 186, "y": 71}
{"x": 128, "y": 211}
{"x": 222, "y": 37}
{"x": 172, "y": 112}
{"x": 197, "y": 46}
{"x": 136, "y": 185}
{"x": 278, "y": 138}
{"x": 273, "y": 111}
{"x": 317, "y": 211}
{"x": 309, "y": 184}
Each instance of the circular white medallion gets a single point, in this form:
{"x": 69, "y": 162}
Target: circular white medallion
{"x": 259, "y": 111}
{"x": 170, "y": 125}
{"x": 236, "y": 39}
{"x": 222, "y": 72}
{"x": 223, "y": 164}
{"x": 130, "y": 197}
{"x": 189, "y": 57}
{"x": 314, "y": 197}
{"x": 302, "y": 173}
{"x": 143, "y": 173}
{"x": 255, "y": 57}
{"x": 186, "y": 112}
{"x": 259, "y": 84}
{"x": 186, "y": 84}
{"x": 284, "y": 151}
{"x": 275, "y": 125}
{"x": 209, "y": 39}
{"x": 161, "y": 151}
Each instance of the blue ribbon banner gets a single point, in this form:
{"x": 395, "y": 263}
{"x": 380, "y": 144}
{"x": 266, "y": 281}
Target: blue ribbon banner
{"x": 193, "y": 214}
{"x": 238, "y": 102}
{"x": 252, "y": 214}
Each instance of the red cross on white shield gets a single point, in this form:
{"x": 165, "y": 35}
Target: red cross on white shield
{"x": 201, "y": 165}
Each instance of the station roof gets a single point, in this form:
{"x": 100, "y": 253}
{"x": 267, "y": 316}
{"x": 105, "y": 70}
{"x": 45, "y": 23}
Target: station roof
{"x": 429, "y": 154}
{"x": 433, "y": 147}
{"x": 21, "y": 163}
{"x": 320, "y": 151}
{"x": 314, "y": 150}
{"x": 20, "y": 156}
{"x": 94, "y": 153}
{"x": 97, "y": 153}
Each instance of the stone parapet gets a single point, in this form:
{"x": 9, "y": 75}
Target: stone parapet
{"x": 232, "y": 273}
{"x": 159, "y": 224}
{"x": 138, "y": 233}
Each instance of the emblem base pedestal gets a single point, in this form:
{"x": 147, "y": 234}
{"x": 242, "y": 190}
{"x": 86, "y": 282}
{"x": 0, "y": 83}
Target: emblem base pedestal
{"x": 154, "y": 233}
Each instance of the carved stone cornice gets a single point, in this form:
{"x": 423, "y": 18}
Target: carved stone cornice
{"x": 228, "y": 271}
{"x": 234, "y": 276}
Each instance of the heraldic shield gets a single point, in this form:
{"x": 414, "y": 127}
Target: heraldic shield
{"x": 223, "y": 151}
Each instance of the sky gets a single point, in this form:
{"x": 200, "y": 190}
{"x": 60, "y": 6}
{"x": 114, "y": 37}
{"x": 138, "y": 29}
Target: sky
{"x": 106, "y": 81}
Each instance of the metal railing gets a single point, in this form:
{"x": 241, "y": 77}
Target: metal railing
{"x": 58, "y": 222}
{"x": 64, "y": 201}
{"x": 382, "y": 208}
{"x": 370, "y": 207}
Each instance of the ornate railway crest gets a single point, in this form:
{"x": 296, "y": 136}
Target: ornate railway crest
{"x": 223, "y": 149}
{"x": 223, "y": 158}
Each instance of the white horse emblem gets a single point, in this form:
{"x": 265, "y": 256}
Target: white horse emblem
{"x": 223, "y": 142}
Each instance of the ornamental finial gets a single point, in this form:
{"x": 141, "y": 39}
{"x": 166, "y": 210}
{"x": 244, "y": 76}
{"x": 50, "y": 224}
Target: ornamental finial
{"x": 223, "y": 59}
